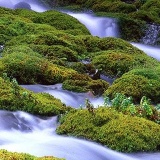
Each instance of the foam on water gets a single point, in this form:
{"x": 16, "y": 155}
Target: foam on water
{"x": 67, "y": 97}
{"x": 151, "y": 51}
{"x": 42, "y": 140}
{"x": 98, "y": 26}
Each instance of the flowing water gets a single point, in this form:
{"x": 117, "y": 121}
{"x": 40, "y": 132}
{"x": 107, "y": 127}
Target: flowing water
{"x": 98, "y": 26}
{"x": 69, "y": 98}
{"x": 35, "y": 4}
{"x": 108, "y": 27}
{"x": 23, "y": 132}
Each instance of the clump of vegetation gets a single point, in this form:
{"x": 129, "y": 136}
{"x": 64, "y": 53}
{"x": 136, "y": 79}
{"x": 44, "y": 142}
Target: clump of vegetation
{"x": 124, "y": 104}
{"x": 5, "y": 155}
{"x": 14, "y": 97}
{"x": 137, "y": 83}
{"x": 117, "y": 62}
{"x": 32, "y": 68}
{"x": 115, "y": 130}
{"x": 59, "y": 20}
{"x": 97, "y": 87}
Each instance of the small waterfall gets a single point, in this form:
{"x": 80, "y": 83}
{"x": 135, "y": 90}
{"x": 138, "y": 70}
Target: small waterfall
{"x": 98, "y": 26}
{"x": 151, "y": 35}
{"x": 69, "y": 98}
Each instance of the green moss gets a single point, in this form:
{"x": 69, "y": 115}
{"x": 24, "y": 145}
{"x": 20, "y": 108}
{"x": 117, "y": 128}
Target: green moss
{"x": 13, "y": 98}
{"x": 131, "y": 29}
{"x": 53, "y": 18}
{"x": 136, "y": 84}
{"x": 56, "y": 51}
{"x": 117, "y": 131}
{"x": 97, "y": 87}
{"x": 114, "y": 6}
{"x": 50, "y": 38}
{"x": 29, "y": 69}
{"x": 114, "y": 63}
{"x": 5, "y": 155}
{"x": 117, "y": 62}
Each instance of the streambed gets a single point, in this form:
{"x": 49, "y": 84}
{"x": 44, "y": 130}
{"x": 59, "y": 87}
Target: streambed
{"x": 37, "y": 136}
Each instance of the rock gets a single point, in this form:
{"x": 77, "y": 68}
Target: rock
{"x": 23, "y": 5}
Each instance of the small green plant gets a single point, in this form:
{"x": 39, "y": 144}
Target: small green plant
{"x": 125, "y": 105}
{"x": 89, "y": 106}
{"x": 107, "y": 101}
{"x": 15, "y": 87}
{"x": 145, "y": 106}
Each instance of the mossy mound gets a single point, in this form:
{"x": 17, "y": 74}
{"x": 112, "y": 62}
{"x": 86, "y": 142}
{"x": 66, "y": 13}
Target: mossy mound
{"x": 114, "y": 63}
{"x": 117, "y": 62}
{"x": 115, "y": 130}
{"x": 5, "y": 155}
{"x": 95, "y": 44}
{"x": 50, "y": 52}
{"x": 30, "y": 69}
{"x": 50, "y": 38}
{"x": 138, "y": 83}
{"x": 97, "y": 87}
{"x": 56, "y": 51}
{"x": 114, "y": 6}
{"x": 14, "y": 97}
{"x": 59, "y": 20}
{"x": 22, "y": 22}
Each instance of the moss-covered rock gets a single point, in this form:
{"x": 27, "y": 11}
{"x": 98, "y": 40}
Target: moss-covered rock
{"x": 56, "y": 51}
{"x": 114, "y": 6}
{"x": 97, "y": 87}
{"x": 59, "y": 20}
{"x": 114, "y": 63}
{"x": 5, "y": 155}
{"x": 14, "y": 97}
{"x": 117, "y": 131}
{"x": 137, "y": 83}
{"x": 117, "y": 62}
{"x": 50, "y": 38}
{"x": 30, "y": 68}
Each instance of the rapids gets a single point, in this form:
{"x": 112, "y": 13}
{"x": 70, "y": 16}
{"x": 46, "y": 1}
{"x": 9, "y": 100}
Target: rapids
{"x": 22, "y": 132}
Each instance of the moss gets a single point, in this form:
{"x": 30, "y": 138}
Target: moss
{"x": 97, "y": 87}
{"x": 30, "y": 69}
{"x": 95, "y": 44}
{"x": 56, "y": 51}
{"x": 136, "y": 85}
{"x": 117, "y": 131}
{"x": 53, "y": 18}
{"x": 5, "y": 155}
{"x": 131, "y": 29}
{"x": 114, "y": 6}
{"x": 117, "y": 62}
{"x": 50, "y": 38}
{"x": 114, "y": 63}
{"x": 13, "y": 98}
{"x": 78, "y": 66}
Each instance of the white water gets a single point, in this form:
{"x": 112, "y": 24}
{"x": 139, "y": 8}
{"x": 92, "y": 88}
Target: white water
{"x": 149, "y": 50}
{"x": 35, "y": 5}
{"x": 69, "y": 98}
{"x": 98, "y": 26}
{"x": 108, "y": 27}
{"x": 41, "y": 140}
{"x": 22, "y": 132}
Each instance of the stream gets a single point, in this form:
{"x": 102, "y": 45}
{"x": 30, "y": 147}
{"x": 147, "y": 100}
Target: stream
{"x": 23, "y": 132}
